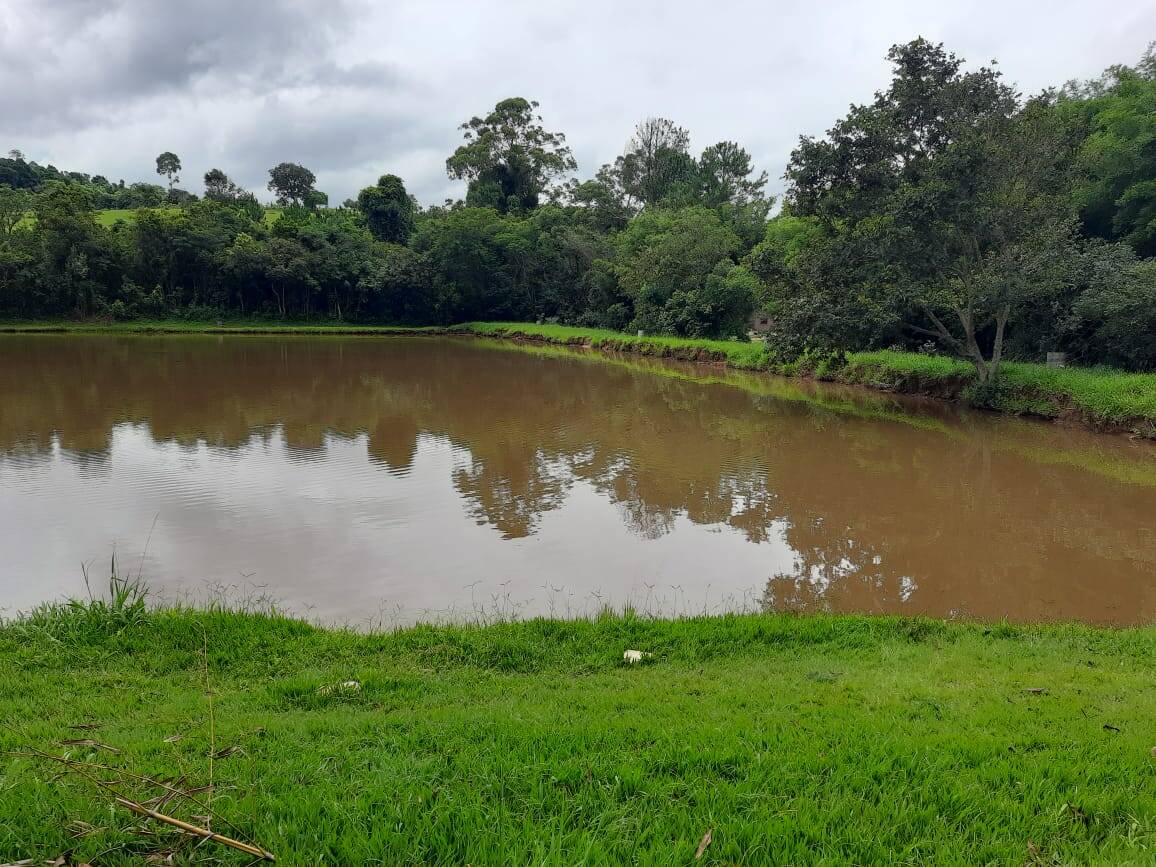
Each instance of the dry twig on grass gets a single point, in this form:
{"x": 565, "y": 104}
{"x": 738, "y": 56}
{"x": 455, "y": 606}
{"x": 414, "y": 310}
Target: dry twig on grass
{"x": 84, "y": 769}
{"x": 205, "y": 833}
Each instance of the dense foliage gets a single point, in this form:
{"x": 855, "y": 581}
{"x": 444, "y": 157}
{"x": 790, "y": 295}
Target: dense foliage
{"x": 948, "y": 213}
{"x": 953, "y": 210}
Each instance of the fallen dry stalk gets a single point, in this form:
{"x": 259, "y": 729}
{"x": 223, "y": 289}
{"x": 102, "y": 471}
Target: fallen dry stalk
{"x": 205, "y": 833}
{"x": 82, "y": 769}
{"x": 89, "y": 742}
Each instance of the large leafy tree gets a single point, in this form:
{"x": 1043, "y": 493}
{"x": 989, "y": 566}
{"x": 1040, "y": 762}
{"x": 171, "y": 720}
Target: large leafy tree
{"x": 169, "y": 165}
{"x": 141, "y": 195}
{"x": 219, "y": 187}
{"x": 656, "y": 166}
{"x": 508, "y": 157}
{"x": 657, "y": 169}
{"x": 179, "y": 251}
{"x": 947, "y": 198}
{"x": 388, "y": 209}
{"x": 784, "y": 290}
{"x": 291, "y": 183}
{"x": 679, "y": 268}
{"x": 600, "y": 201}
{"x": 563, "y": 265}
{"x": 16, "y": 172}
{"x": 726, "y": 175}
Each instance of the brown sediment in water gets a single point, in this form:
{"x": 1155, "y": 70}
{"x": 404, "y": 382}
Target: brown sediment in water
{"x": 946, "y": 388}
{"x": 1060, "y": 409}
{"x": 344, "y": 474}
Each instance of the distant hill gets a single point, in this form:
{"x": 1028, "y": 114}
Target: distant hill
{"x": 22, "y": 174}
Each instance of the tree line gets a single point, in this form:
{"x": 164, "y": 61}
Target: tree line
{"x": 950, "y": 213}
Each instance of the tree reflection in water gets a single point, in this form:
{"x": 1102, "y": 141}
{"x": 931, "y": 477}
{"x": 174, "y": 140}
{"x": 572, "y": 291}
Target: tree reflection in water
{"x": 885, "y": 508}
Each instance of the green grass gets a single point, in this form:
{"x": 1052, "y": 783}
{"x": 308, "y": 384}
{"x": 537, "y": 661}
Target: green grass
{"x": 1107, "y": 394}
{"x": 913, "y": 364}
{"x": 742, "y": 355}
{"x": 798, "y": 740}
{"x": 109, "y": 217}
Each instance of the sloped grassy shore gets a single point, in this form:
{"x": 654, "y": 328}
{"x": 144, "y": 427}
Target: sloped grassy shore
{"x": 1102, "y": 399}
{"x": 794, "y": 740}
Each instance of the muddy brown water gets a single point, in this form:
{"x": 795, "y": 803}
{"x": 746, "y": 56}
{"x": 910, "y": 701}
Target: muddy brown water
{"x": 373, "y": 480}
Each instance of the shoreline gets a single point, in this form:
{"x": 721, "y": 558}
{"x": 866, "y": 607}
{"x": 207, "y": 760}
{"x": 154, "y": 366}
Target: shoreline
{"x": 534, "y": 741}
{"x": 1112, "y": 402}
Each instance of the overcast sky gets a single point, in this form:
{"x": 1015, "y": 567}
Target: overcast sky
{"x": 354, "y": 88}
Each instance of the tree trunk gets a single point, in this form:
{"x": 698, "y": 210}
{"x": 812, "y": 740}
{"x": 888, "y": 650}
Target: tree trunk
{"x": 969, "y": 348}
{"x": 997, "y": 345}
{"x": 967, "y": 320}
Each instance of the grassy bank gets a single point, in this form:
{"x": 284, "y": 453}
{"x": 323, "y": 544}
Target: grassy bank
{"x": 1099, "y": 398}
{"x": 741, "y": 355}
{"x": 1103, "y": 399}
{"x": 793, "y": 739}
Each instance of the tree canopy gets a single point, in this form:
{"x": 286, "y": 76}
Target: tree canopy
{"x": 169, "y": 165}
{"x": 388, "y": 209}
{"x": 292, "y": 184}
{"x": 948, "y": 200}
{"x": 1117, "y": 116}
{"x": 508, "y": 157}
{"x": 947, "y": 213}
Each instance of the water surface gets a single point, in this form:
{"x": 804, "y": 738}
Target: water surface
{"x": 388, "y": 479}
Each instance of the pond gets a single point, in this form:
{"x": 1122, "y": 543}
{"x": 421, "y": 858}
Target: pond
{"x": 375, "y": 481}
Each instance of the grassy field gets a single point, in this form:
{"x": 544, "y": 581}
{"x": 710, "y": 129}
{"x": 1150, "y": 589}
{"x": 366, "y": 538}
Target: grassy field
{"x": 112, "y": 216}
{"x": 109, "y": 217}
{"x": 793, "y": 740}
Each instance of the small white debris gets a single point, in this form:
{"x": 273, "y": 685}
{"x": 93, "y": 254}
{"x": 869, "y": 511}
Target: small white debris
{"x": 345, "y": 686}
{"x": 635, "y": 656}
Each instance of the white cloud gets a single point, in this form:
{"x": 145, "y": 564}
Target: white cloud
{"x": 354, "y": 89}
